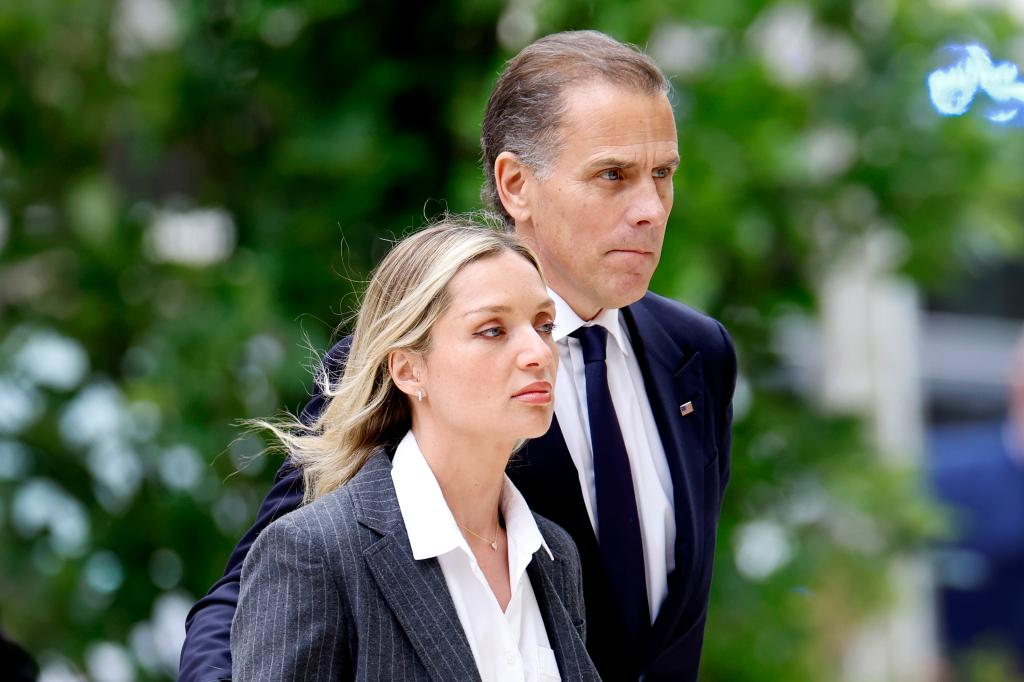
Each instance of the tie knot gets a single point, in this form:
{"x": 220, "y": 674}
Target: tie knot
{"x": 594, "y": 341}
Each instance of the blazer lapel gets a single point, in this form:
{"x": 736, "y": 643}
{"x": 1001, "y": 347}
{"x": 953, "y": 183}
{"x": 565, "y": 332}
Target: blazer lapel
{"x": 674, "y": 377}
{"x": 563, "y": 633}
{"x": 415, "y": 591}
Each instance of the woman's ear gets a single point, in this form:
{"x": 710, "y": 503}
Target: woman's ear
{"x": 512, "y": 179}
{"x": 406, "y": 370}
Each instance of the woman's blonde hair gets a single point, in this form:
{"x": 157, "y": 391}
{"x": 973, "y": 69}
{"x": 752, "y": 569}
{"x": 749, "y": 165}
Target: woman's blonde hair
{"x": 407, "y": 293}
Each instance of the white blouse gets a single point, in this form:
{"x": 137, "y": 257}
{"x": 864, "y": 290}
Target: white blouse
{"x": 509, "y": 646}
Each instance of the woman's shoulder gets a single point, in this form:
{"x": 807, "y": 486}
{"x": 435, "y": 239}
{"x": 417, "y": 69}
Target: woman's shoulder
{"x": 340, "y": 512}
{"x": 317, "y": 522}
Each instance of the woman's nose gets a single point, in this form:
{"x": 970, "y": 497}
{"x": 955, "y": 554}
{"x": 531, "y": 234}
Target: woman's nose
{"x": 536, "y": 351}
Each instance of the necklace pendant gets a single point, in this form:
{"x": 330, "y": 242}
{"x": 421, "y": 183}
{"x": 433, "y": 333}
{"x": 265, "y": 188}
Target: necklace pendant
{"x": 494, "y": 545}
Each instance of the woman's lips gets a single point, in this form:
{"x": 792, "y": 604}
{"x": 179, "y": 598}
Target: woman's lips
{"x": 537, "y": 393}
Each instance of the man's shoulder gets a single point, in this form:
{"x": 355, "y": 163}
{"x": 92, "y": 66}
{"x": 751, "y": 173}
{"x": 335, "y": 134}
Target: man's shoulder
{"x": 332, "y": 365}
{"x": 681, "y": 322}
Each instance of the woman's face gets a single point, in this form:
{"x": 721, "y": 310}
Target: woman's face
{"x": 490, "y": 370}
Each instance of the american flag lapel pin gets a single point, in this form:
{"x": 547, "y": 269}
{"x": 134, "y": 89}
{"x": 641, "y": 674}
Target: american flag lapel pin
{"x": 686, "y": 408}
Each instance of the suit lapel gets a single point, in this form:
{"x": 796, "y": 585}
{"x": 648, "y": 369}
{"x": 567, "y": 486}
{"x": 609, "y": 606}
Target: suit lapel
{"x": 673, "y": 377}
{"x": 415, "y": 591}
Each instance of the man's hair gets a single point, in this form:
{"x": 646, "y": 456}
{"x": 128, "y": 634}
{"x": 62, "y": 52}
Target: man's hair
{"x": 526, "y": 108}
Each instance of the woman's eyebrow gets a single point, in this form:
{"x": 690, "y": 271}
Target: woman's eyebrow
{"x": 498, "y": 308}
{"x": 488, "y": 309}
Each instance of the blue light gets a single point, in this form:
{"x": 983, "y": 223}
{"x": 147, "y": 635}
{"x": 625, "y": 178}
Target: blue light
{"x": 1003, "y": 115}
{"x": 953, "y": 89}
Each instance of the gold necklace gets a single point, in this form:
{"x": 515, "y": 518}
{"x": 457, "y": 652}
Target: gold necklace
{"x": 493, "y": 543}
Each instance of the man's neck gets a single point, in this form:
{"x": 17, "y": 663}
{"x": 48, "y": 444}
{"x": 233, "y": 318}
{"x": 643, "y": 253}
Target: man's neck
{"x": 589, "y": 313}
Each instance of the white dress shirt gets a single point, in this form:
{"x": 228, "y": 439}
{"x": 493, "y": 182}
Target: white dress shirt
{"x": 509, "y": 646}
{"x": 652, "y": 481}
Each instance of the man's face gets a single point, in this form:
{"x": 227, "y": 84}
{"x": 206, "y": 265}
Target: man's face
{"x": 597, "y": 220}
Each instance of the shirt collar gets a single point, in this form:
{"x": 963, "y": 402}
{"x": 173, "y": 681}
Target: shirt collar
{"x": 520, "y": 526}
{"x": 432, "y": 529}
{"x": 567, "y": 321}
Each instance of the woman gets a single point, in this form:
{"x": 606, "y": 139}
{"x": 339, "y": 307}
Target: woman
{"x": 415, "y": 557}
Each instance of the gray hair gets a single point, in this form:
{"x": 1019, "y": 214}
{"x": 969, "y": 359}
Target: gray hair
{"x": 526, "y": 107}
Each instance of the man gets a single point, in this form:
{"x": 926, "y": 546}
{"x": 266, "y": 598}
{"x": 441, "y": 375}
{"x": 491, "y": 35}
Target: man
{"x": 580, "y": 147}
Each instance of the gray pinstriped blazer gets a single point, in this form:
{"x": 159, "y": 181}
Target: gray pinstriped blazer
{"x": 331, "y": 592}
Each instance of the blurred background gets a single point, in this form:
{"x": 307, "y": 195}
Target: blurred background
{"x": 192, "y": 191}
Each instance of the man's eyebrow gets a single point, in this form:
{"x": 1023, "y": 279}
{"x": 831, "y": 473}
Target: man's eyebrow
{"x": 621, "y": 164}
{"x": 611, "y": 162}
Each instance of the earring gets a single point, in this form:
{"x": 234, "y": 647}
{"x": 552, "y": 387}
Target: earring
{"x": 419, "y": 394}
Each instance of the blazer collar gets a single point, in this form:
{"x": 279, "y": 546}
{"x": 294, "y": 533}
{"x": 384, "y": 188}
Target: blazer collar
{"x": 417, "y": 594}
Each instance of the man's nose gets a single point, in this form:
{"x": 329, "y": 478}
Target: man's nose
{"x": 648, "y": 208}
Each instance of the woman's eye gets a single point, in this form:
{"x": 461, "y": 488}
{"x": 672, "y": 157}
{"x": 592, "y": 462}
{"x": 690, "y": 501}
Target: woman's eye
{"x": 490, "y": 332}
{"x": 546, "y": 328}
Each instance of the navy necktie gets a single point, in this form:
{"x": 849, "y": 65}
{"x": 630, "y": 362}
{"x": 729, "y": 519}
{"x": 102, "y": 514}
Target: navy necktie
{"x": 618, "y": 523}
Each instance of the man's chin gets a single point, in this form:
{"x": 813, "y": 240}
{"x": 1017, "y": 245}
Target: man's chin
{"x": 622, "y": 296}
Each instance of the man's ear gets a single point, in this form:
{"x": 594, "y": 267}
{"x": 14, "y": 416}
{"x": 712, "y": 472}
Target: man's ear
{"x": 513, "y": 179}
{"x": 406, "y": 369}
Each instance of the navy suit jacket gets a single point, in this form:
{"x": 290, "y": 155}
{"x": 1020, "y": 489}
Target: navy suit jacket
{"x": 684, "y": 357}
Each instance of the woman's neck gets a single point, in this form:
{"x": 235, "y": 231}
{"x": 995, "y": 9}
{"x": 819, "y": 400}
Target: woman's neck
{"x": 470, "y": 471}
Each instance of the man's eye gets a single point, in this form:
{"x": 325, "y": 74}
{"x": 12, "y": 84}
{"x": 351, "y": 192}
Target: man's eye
{"x": 490, "y": 332}
{"x": 612, "y": 174}
{"x": 663, "y": 173}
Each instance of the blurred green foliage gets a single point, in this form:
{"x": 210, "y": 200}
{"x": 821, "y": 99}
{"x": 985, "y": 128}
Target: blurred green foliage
{"x": 307, "y": 134}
